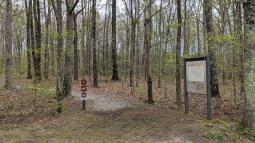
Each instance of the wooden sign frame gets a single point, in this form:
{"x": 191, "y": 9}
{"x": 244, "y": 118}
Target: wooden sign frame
{"x": 207, "y": 82}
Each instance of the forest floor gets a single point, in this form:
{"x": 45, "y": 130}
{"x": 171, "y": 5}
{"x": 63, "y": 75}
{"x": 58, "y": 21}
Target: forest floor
{"x": 108, "y": 118}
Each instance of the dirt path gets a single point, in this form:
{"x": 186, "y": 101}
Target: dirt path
{"x": 104, "y": 103}
{"x": 117, "y": 119}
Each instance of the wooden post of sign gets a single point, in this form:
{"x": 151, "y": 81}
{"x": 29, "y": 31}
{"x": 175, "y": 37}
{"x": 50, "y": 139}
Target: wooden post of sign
{"x": 83, "y": 105}
{"x": 186, "y": 96}
{"x": 208, "y": 82}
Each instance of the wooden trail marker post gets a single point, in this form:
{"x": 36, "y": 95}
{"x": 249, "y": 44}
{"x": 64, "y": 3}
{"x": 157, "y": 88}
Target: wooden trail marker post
{"x": 83, "y": 93}
{"x": 197, "y": 79}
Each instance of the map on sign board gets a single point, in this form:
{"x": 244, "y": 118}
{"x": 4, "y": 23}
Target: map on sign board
{"x": 196, "y": 76}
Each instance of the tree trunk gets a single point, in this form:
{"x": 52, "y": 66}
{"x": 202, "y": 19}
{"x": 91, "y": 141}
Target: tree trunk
{"x": 199, "y": 49}
{"x": 127, "y": 50}
{"x": 28, "y": 42}
{"x": 132, "y": 50}
{"x": 76, "y": 52}
{"x": 69, "y": 54}
{"x": 59, "y": 81}
{"x": 2, "y": 42}
{"x": 38, "y": 40}
{"x": 46, "y": 44}
{"x": 160, "y": 45}
{"x": 84, "y": 4}
{"x": 88, "y": 42}
{"x": 249, "y": 64}
{"x": 147, "y": 45}
{"x": 186, "y": 30}
{"x": 211, "y": 47}
{"x": 52, "y": 48}
{"x": 93, "y": 31}
{"x": 138, "y": 39}
{"x": 178, "y": 55}
{"x": 104, "y": 41}
{"x": 241, "y": 42}
{"x": 115, "y": 75}
{"x": 31, "y": 29}
{"x": 8, "y": 45}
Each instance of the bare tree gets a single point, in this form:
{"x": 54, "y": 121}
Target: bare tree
{"x": 115, "y": 75}
{"x": 37, "y": 49}
{"x": 8, "y": 45}
{"x": 28, "y": 41}
{"x": 47, "y": 15}
{"x": 69, "y": 54}
{"x": 93, "y": 32}
{"x": 147, "y": 45}
{"x": 178, "y": 54}
{"x": 57, "y": 7}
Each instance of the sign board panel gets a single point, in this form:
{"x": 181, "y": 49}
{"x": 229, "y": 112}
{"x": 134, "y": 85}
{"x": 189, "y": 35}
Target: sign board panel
{"x": 196, "y": 76}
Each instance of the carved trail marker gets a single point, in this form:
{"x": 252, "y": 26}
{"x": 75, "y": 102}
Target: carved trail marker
{"x": 83, "y": 92}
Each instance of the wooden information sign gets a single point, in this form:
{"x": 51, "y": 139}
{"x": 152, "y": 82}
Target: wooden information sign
{"x": 197, "y": 80}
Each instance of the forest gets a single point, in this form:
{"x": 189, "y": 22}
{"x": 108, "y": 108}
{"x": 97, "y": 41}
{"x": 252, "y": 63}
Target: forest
{"x": 127, "y": 71}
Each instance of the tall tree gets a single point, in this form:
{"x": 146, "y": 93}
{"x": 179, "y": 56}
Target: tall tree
{"x": 47, "y": 15}
{"x": 38, "y": 40}
{"x": 76, "y": 51}
{"x": 186, "y": 29}
{"x": 8, "y": 45}
{"x": 178, "y": 54}
{"x": 160, "y": 46}
{"x": 69, "y": 51}
{"x": 208, "y": 17}
{"x": 105, "y": 41}
{"x": 249, "y": 63}
{"x": 147, "y": 47}
{"x": 31, "y": 30}
{"x": 83, "y": 50}
{"x": 57, "y": 7}
{"x": 132, "y": 50}
{"x": 93, "y": 32}
{"x": 75, "y": 42}
{"x": 28, "y": 41}
{"x": 115, "y": 75}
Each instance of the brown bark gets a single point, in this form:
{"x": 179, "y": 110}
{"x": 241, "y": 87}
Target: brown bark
{"x": 178, "y": 55}
{"x": 211, "y": 47}
{"x": 28, "y": 41}
{"x": 37, "y": 49}
{"x": 76, "y": 52}
{"x": 47, "y": 16}
{"x": 147, "y": 45}
{"x": 69, "y": 54}
{"x": 57, "y": 7}
{"x": 8, "y": 45}
{"x": 249, "y": 64}
{"x": 93, "y": 31}
{"x": 115, "y": 75}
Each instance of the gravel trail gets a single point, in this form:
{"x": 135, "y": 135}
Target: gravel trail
{"x": 105, "y": 103}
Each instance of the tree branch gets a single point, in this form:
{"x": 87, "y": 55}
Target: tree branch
{"x": 73, "y": 7}
{"x": 130, "y": 15}
{"x": 78, "y": 12}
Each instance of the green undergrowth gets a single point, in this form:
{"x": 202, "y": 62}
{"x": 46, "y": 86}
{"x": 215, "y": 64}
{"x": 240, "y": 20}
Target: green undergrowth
{"x": 43, "y": 88}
